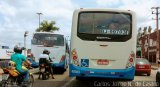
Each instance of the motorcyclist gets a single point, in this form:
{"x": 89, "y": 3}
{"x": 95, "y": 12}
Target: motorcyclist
{"x": 30, "y": 55}
{"x": 48, "y": 61}
{"x": 18, "y": 58}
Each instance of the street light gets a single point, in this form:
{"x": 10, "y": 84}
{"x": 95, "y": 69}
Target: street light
{"x": 39, "y": 14}
{"x": 25, "y": 35}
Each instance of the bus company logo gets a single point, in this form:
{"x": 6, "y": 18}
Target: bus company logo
{"x": 103, "y": 37}
{"x": 84, "y": 62}
{"x": 75, "y": 71}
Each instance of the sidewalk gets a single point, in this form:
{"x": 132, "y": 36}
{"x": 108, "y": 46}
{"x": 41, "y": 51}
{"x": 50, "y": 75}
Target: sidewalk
{"x": 154, "y": 66}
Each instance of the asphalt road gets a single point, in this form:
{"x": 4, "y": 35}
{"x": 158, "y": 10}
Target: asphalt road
{"x": 59, "y": 81}
{"x": 63, "y": 80}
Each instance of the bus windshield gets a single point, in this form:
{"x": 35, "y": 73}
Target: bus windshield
{"x": 48, "y": 39}
{"x": 5, "y": 47}
{"x": 106, "y": 26}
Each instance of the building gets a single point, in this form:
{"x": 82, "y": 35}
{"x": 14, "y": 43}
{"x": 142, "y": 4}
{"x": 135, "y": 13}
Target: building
{"x": 148, "y": 47}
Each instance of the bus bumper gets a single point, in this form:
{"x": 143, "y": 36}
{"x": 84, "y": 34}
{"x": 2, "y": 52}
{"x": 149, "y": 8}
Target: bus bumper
{"x": 108, "y": 73}
{"x": 59, "y": 65}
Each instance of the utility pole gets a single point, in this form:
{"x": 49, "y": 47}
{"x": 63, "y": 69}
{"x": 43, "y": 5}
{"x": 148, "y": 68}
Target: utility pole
{"x": 25, "y": 35}
{"x": 148, "y": 37}
{"x": 149, "y": 32}
{"x": 157, "y": 29}
{"x": 39, "y": 14}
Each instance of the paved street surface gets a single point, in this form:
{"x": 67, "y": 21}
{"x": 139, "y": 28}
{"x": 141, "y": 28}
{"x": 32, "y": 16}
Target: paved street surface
{"x": 63, "y": 80}
{"x": 59, "y": 81}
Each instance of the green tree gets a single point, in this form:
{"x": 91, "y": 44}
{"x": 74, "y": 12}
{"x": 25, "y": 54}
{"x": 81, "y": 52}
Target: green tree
{"x": 47, "y": 27}
{"x": 139, "y": 35}
{"x": 145, "y": 30}
{"x": 149, "y": 29}
{"x": 139, "y": 31}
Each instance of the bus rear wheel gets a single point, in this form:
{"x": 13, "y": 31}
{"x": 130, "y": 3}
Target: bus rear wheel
{"x": 79, "y": 78}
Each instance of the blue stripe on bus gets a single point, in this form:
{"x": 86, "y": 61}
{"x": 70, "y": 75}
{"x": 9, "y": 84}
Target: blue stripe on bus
{"x": 59, "y": 65}
{"x": 109, "y": 73}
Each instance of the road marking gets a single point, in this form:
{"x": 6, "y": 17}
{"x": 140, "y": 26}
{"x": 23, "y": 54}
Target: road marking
{"x": 68, "y": 82}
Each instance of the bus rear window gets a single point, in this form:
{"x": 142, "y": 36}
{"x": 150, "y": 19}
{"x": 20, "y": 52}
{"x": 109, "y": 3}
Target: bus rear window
{"x": 104, "y": 26}
{"x": 5, "y": 47}
{"x": 48, "y": 39}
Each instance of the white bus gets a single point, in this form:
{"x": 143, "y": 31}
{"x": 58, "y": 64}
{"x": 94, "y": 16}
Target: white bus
{"x": 5, "y": 52}
{"x": 103, "y": 43}
{"x": 55, "y": 43}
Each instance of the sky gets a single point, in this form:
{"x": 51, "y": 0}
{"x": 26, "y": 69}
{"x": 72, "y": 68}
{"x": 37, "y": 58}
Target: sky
{"x": 18, "y": 16}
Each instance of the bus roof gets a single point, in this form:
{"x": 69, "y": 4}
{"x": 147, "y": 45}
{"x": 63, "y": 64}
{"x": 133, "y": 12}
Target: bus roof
{"x": 46, "y": 33}
{"x": 108, "y": 9}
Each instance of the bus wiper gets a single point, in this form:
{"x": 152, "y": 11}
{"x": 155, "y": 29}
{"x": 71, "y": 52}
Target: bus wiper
{"x": 102, "y": 38}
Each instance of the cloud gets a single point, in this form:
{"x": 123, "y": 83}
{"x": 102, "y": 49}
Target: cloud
{"x": 108, "y": 3}
{"x": 21, "y": 16}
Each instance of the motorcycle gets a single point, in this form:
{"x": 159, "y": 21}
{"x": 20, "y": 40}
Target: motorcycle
{"x": 12, "y": 78}
{"x": 44, "y": 70}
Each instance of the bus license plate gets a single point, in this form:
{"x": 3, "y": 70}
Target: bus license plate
{"x": 5, "y": 76}
{"x": 102, "y": 62}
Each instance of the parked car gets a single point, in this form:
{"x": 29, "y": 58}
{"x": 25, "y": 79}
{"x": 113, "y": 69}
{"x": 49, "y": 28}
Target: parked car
{"x": 143, "y": 66}
{"x": 34, "y": 64}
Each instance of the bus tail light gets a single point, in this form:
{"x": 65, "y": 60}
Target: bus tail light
{"x": 131, "y": 59}
{"x": 75, "y": 58}
{"x": 62, "y": 58}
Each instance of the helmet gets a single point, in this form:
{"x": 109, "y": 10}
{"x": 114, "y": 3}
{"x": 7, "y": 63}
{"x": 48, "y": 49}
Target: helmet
{"x": 46, "y": 52}
{"x": 18, "y": 49}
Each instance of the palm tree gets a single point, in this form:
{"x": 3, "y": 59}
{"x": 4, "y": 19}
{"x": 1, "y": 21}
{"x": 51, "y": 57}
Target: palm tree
{"x": 149, "y": 29}
{"x": 145, "y": 31}
{"x": 47, "y": 27}
{"x": 139, "y": 32}
{"x": 139, "y": 35}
